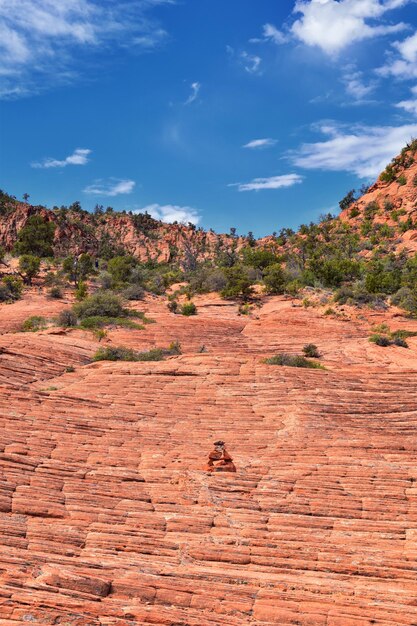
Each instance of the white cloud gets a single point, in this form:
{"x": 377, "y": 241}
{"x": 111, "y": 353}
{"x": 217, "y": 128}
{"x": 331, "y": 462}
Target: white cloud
{"x": 333, "y": 25}
{"x": 355, "y": 85}
{"x": 274, "y": 182}
{"x": 251, "y": 62}
{"x": 78, "y": 157}
{"x": 171, "y": 213}
{"x": 260, "y": 143}
{"x": 272, "y": 34}
{"x": 40, "y": 39}
{"x": 112, "y": 187}
{"x": 361, "y": 150}
{"x": 195, "y": 90}
{"x": 405, "y": 66}
{"x": 409, "y": 105}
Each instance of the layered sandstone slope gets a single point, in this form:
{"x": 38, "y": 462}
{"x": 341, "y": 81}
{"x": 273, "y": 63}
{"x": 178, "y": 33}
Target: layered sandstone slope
{"x": 108, "y": 519}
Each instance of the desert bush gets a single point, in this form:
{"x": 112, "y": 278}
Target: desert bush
{"x": 188, "y": 309}
{"x": 29, "y": 267}
{"x": 311, "y": 350}
{"x": 81, "y": 291}
{"x": 380, "y": 340}
{"x": 238, "y": 283}
{"x": 56, "y": 292}
{"x": 67, "y": 318}
{"x": 105, "y": 280}
{"x": 102, "y": 304}
{"x": 134, "y": 292}
{"x": 293, "y": 361}
{"x": 399, "y": 341}
{"x": 10, "y": 289}
{"x": 401, "y": 180}
{"x": 172, "y": 306}
{"x": 33, "y": 324}
{"x": 99, "y": 321}
{"x": 120, "y": 268}
{"x": 110, "y": 353}
{"x": 275, "y": 279}
{"x": 405, "y": 298}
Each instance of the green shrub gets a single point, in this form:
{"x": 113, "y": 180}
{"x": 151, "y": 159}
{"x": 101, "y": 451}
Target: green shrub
{"x": 10, "y": 289}
{"x": 399, "y": 341}
{"x": 33, "y": 324}
{"x": 81, "y": 291}
{"x": 405, "y": 298}
{"x": 134, "y": 292}
{"x": 311, "y": 350}
{"x": 67, "y": 318}
{"x": 275, "y": 279}
{"x": 388, "y": 175}
{"x": 120, "y": 268}
{"x": 56, "y": 292}
{"x": 238, "y": 283}
{"x": 390, "y": 339}
{"x": 380, "y": 340}
{"x": 100, "y": 321}
{"x": 188, "y": 309}
{"x": 29, "y": 266}
{"x": 172, "y": 306}
{"x": 293, "y": 361}
{"x": 36, "y": 237}
{"x": 401, "y": 180}
{"x": 354, "y": 212}
{"x": 111, "y": 353}
{"x": 102, "y": 304}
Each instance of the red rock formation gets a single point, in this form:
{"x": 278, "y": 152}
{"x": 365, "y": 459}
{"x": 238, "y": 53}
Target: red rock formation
{"x": 107, "y": 520}
{"x": 78, "y": 232}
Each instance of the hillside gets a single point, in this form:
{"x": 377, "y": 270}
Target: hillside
{"x": 110, "y": 233}
{"x": 110, "y": 405}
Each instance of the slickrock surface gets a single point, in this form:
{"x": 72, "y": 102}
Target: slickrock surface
{"x": 108, "y": 519}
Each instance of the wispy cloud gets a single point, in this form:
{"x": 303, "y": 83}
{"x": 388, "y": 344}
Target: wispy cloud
{"x": 272, "y": 34}
{"x": 274, "y": 182}
{"x": 409, "y": 105}
{"x": 78, "y": 157}
{"x": 195, "y": 90}
{"x": 261, "y": 143}
{"x": 112, "y": 187}
{"x": 251, "y": 63}
{"x": 171, "y": 213}
{"x": 405, "y": 64}
{"x": 333, "y": 25}
{"x": 39, "y": 39}
{"x": 360, "y": 150}
{"x": 355, "y": 85}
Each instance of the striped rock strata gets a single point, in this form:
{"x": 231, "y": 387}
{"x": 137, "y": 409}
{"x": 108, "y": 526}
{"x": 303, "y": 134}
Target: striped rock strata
{"x": 108, "y": 519}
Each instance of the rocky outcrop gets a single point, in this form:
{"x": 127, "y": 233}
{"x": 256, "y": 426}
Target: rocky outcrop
{"x": 139, "y": 235}
{"x": 108, "y": 517}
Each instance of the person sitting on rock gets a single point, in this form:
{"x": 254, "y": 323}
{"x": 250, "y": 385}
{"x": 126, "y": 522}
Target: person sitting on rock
{"x": 220, "y": 460}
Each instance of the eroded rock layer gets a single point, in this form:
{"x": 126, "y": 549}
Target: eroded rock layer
{"x": 108, "y": 519}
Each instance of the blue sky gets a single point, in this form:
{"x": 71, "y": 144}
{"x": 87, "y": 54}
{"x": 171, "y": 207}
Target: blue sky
{"x": 254, "y": 114}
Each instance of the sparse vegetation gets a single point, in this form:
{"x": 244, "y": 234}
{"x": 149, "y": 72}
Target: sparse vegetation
{"x": 311, "y": 351}
{"x": 34, "y": 324}
{"x": 293, "y": 361}
{"x": 188, "y": 309}
{"x": 111, "y": 353}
